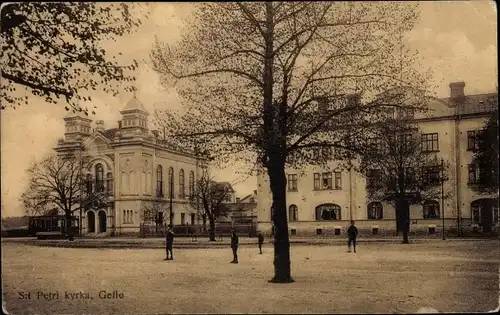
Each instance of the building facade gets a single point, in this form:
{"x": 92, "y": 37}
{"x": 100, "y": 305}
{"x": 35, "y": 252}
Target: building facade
{"x": 134, "y": 167}
{"x": 322, "y": 202}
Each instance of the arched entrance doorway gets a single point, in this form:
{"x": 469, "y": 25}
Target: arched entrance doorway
{"x": 90, "y": 222}
{"x": 484, "y": 212}
{"x": 102, "y": 221}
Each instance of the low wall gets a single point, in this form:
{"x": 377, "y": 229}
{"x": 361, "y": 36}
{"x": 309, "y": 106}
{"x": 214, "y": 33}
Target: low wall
{"x": 377, "y": 227}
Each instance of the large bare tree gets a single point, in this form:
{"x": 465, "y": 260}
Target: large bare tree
{"x": 57, "y": 182}
{"x": 209, "y": 198}
{"x": 402, "y": 167}
{"x": 56, "y": 50}
{"x": 253, "y": 75}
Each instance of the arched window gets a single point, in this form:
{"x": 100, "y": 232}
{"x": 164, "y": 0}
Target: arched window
{"x": 109, "y": 184}
{"x": 375, "y": 211}
{"x": 159, "y": 181}
{"x": 293, "y": 213}
{"x": 181, "y": 184}
{"x": 191, "y": 185}
{"x": 431, "y": 209}
{"x": 89, "y": 184}
{"x": 99, "y": 178}
{"x": 171, "y": 182}
{"x": 328, "y": 212}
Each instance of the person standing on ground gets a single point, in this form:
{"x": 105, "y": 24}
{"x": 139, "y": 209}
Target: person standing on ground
{"x": 352, "y": 233}
{"x": 261, "y": 241}
{"x": 234, "y": 246}
{"x": 170, "y": 243}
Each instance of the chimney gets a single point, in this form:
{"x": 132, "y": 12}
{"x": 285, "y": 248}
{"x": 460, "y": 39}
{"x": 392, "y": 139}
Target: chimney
{"x": 119, "y": 124}
{"x": 457, "y": 93}
{"x": 99, "y": 125}
{"x": 238, "y": 200}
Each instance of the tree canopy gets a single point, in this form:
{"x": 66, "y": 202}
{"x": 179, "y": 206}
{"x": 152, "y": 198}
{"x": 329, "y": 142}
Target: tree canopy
{"x": 486, "y": 157}
{"x": 402, "y": 168}
{"x": 56, "y": 50}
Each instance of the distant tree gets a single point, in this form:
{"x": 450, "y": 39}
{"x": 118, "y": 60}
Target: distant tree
{"x": 486, "y": 157}
{"x": 34, "y": 204}
{"x": 57, "y": 181}
{"x": 55, "y": 50}
{"x": 402, "y": 169}
{"x": 208, "y": 199}
{"x": 254, "y": 74}
{"x": 155, "y": 211}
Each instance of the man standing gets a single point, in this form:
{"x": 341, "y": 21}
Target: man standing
{"x": 261, "y": 241}
{"x": 170, "y": 243}
{"x": 234, "y": 246}
{"x": 352, "y": 233}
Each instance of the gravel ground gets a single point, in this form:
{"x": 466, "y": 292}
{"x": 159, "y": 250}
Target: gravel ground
{"x": 448, "y": 276}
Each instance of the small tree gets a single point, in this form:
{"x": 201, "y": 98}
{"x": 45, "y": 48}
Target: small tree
{"x": 154, "y": 212}
{"x": 401, "y": 169}
{"x": 58, "y": 181}
{"x": 208, "y": 199}
{"x": 55, "y": 50}
{"x": 486, "y": 157}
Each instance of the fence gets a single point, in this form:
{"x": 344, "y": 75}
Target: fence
{"x": 151, "y": 230}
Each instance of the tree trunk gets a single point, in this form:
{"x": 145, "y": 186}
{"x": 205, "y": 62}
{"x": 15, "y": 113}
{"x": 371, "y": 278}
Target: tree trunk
{"x": 403, "y": 218}
{"x": 212, "y": 230}
{"x": 204, "y": 218}
{"x": 69, "y": 230}
{"x": 282, "y": 272}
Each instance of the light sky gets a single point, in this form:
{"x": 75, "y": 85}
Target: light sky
{"x": 457, "y": 40}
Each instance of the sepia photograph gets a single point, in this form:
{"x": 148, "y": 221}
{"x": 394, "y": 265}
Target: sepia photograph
{"x": 278, "y": 157}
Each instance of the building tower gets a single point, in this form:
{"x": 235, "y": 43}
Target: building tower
{"x": 77, "y": 126}
{"x": 134, "y": 118}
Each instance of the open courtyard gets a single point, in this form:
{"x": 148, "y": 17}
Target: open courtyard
{"x": 447, "y": 276}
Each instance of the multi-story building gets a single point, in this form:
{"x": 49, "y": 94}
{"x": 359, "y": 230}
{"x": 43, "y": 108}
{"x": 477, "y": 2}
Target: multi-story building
{"x": 134, "y": 167}
{"x": 323, "y": 201}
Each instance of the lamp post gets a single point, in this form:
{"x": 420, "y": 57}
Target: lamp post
{"x": 81, "y": 188}
{"x": 442, "y": 194}
{"x": 171, "y": 180}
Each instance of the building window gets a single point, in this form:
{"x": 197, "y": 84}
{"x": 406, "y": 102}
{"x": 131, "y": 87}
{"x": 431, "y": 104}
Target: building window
{"x": 99, "y": 178}
{"x": 128, "y": 216}
{"x": 317, "y": 181}
{"x": 431, "y": 209}
{"x": 473, "y": 174}
{"x": 192, "y": 219}
{"x": 171, "y": 182}
{"x": 292, "y": 182}
{"x": 183, "y": 218}
{"x": 89, "y": 184}
{"x": 375, "y": 211}
{"x": 480, "y": 211}
{"x": 182, "y": 192}
{"x": 191, "y": 185}
{"x": 326, "y": 180}
{"x": 159, "y": 181}
{"x": 373, "y": 178}
{"x": 472, "y": 143}
{"x": 338, "y": 180}
{"x": 293, "y": 213}
{"x": 109, "y": 184}
{"x": 328, "y": 212}
{"x": 405, "y": 113}
{"x": 431, "y": 175}
{"x": 430, "y": 142}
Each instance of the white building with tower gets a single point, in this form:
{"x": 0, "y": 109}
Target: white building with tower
{"x": 134, "y": 166}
